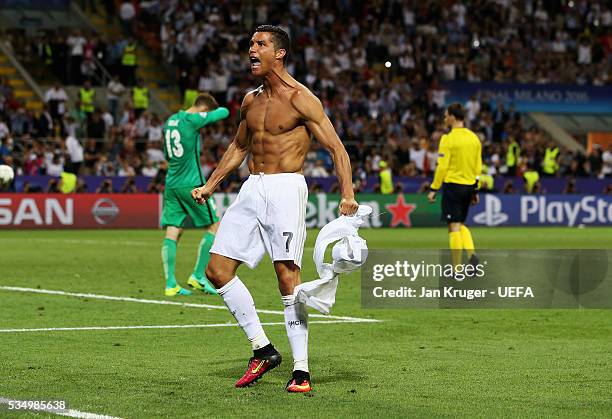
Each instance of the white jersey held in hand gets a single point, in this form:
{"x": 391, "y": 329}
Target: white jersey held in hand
{"x": 348, "y": 254}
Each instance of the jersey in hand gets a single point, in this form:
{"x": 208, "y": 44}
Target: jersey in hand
{"x": 182, "y": 146}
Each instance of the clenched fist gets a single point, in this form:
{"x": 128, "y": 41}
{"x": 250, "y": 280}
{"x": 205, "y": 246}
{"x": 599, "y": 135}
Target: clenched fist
{"x": 348, "y": 206}
{"x": 201, "y": 195}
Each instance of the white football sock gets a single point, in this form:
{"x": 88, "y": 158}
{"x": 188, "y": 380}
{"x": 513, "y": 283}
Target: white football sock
{"x": 296, "y": 323}
{"x": 240, "y": 303}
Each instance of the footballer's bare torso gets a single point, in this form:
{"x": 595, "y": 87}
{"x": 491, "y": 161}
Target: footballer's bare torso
{"x": 276, "y": 132}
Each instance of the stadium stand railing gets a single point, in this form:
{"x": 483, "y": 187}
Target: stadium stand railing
{"x": 25, "y": 87}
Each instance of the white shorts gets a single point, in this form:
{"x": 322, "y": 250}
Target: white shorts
{"x": 269, "y": 215}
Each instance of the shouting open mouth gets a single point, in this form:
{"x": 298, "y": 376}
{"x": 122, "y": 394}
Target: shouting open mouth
{"x": 255, "y": 63}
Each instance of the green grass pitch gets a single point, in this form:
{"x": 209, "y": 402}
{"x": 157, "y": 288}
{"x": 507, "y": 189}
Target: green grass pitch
{"x": 423, "y": 363}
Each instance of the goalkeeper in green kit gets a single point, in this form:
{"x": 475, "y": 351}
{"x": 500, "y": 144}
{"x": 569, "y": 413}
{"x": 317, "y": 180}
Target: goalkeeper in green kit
{"x": 182, "y": 150}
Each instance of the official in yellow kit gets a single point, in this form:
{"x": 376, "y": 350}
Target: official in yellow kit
{"x": 457, "y": 172}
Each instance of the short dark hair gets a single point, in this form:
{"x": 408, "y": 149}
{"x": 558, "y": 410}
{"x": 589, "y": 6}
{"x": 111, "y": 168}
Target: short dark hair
{"x": 456, "y": 110}
{"x": 206, "y": 99}
{"x": 280, "y": 38}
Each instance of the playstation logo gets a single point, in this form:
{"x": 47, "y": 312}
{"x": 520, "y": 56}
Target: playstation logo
{"x": 492, "y": 215}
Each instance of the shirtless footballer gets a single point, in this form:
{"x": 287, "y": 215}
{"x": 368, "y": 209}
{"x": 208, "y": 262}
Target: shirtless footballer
{"x": 277, "y": 121}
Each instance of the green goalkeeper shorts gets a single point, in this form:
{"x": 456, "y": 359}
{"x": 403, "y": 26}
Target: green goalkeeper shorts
{"x": 178, "y": 203}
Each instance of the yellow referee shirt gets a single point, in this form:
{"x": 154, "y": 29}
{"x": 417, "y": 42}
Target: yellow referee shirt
{"x": 459, "y": 158}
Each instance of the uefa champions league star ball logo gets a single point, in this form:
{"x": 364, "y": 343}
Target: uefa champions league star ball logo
{"x": 105, "y": 211}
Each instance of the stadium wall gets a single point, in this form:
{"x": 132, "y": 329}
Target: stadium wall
{"x": 57, "y": 211}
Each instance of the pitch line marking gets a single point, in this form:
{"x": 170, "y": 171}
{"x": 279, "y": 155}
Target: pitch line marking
{"x": 173, "y": 326}
{"x": 96, "y": 242}
{"x": 82, "y": 241}
{"x": 173, "y": 303}
{"x": 65, "y": 412}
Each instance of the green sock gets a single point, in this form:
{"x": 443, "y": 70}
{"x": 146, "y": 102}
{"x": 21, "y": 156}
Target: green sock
{"x": 203, "y": 255}
{"x": 168, "y": 254}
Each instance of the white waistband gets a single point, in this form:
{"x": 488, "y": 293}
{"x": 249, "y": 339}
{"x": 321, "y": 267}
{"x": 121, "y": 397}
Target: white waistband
{"x": 276, "y": 175}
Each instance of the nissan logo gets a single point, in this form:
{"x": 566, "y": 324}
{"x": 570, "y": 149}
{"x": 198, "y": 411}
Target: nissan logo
{"x": 105, "y": 211}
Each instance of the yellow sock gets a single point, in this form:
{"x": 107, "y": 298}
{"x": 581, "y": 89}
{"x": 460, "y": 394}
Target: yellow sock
{"x": 468, "y": 243}
{"x": 456, "y": 246}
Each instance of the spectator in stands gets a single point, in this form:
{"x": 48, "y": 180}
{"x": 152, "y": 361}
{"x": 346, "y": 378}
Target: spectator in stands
{"x": 550, "y": 163}
{"x": 96, "y": 128}
{"x": 532, "y": 180}
{"x": 34, "y": 160}
{"x": 129, "y": 186}
{"x": 149, "y": 169}
{"x": 4, "y": 130}
{"x": 61, "y": 57}
{"x": 127, "y": 12}
{"x": 140, "y": 98}
{"x": 76, "y": 43}
{"x": 114, "y": 93}
{"x": 43, "y": 124}
{"x": 21, "y": 122}
{"x": 56, "y": 98}
{"x": 88, "y": 68}
{"x": 87, "y": 98}
{"x": 606, "y": 167}
{"x": 570, "y": 186}
{"x": 93, "y": 161}
{"x": 5, "y": 151}
{"x": 155, "y": 132}
{"x": 472, "y": 109}
{"x": 417, "y": 156}
{"x": 105, "y": 187}
{"x": 509, "y": 187}
{"x": 52, "y": 186}
{"x": 595, "y": 160}
{"x": 68, "y": 182}
{"x": 74, "y": 150}
{"x": 56, "y": 166}
{"x": 74, "y": 121}
{"x": 386, "y": 178}
{"x": 129, "y": 63}
{"x": 109, "y": 121}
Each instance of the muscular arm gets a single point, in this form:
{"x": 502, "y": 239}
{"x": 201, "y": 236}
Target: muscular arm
{"x": 232, "y": 158}
{"x": 320, "y": 126}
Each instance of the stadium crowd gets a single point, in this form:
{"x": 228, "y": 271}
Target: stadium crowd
{"x": 377, "y": 67}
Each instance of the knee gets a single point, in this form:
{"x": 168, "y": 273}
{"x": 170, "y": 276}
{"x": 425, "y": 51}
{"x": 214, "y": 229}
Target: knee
{"x": 217, "y": 275}
{"x": 288, "y": 280}
{"x": 213, "y": 228}
{"x": 454, "y": 227}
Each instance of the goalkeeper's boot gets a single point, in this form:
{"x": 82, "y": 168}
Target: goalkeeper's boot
{"x": 202, "y": 284}
{"x": 473, "y": 262}
{"x": 258, "y": 366}
{"x": 299, "y": 383}
{"x": 178, "y": 290}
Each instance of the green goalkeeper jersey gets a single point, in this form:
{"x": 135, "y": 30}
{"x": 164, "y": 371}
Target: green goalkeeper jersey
{"x": 182, "y": 146}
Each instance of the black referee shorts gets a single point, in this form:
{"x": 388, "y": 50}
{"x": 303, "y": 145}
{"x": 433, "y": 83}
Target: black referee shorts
{"x": 456, "y": 201}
